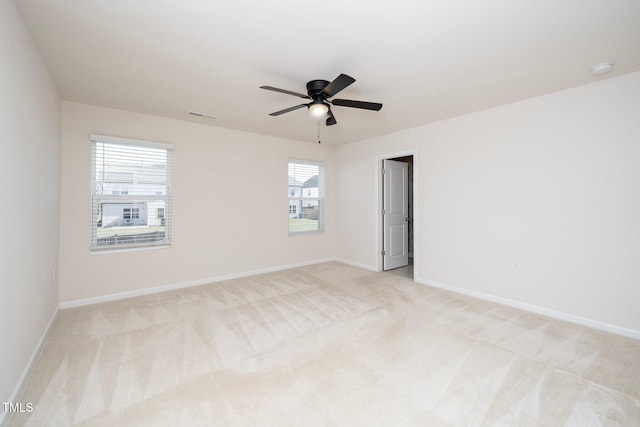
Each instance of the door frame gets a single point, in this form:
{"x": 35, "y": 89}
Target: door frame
{"x": 379, "y": 205}
{"x": 395, "y": 217}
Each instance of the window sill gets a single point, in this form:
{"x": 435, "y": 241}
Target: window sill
{"x": 305, "y": 233}
{"x": 123, "y": 250}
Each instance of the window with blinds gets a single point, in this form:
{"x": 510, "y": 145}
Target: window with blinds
{"x": 306, "y": 196}
{"x": 131, "y": 193}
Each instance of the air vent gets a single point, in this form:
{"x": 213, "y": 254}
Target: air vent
{"x": 195, "y": 113}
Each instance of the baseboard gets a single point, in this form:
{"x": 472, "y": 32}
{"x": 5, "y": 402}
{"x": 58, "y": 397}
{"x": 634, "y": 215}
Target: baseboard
{"x": 583, "y": 321}
{"x": 17, "y": 391}
{"x": 187, "y": 284}
{"x": 356, "y": 264}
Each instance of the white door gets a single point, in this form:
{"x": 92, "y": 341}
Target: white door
{"x": 395, "y": 217}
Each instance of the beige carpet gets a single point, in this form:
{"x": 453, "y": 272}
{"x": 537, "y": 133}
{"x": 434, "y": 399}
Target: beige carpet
{"x": 327, "y": 344}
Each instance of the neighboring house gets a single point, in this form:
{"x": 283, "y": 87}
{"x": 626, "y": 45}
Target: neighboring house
{"x": 295, "y": 204}
{"x": 299, "y": 206}
{"x": 122, "y": 214}
{"x": 310, "y": 188}
{"x": 119, "y": 213}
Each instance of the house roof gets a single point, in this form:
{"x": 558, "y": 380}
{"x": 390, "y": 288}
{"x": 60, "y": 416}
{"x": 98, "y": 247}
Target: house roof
{"x": 311, "y": 182}
{"x": 424, "y": 60}
{"x": 294, "y": 182}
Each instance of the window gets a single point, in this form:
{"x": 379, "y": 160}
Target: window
{"x": 131, "y": 213}
{"x": 306, "y": 196}
{"x": 131, "y": 193}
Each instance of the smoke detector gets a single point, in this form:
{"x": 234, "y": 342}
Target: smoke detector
{"x": 601, "y": 69}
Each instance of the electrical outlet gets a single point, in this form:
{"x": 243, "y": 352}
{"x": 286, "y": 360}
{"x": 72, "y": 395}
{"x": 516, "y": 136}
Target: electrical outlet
{"x": 515, "y": 267}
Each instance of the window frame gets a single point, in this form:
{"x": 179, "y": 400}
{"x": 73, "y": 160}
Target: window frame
{"x": 124, "y": 197}
{"x": 301, "y": 199}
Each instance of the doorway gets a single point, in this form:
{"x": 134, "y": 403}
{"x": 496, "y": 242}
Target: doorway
{"x": 397, "y": 214}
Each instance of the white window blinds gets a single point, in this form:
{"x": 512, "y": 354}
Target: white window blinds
{"x": 306, "y": 193}
{"x": 131, "y": 193}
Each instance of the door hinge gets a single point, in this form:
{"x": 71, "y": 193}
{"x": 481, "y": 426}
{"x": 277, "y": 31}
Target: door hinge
{"x": 384, "y": 171}
{"x": 384, "y": 252}
{"x": 383, "y": 212}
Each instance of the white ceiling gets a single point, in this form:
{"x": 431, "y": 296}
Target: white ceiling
{"x": 425, "y": 60}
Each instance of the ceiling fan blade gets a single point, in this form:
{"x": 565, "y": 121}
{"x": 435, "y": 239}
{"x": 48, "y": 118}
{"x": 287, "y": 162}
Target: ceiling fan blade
{"x": 331, "y": 120}
{"x": 288, "y": 92}
{"x": 340, "y": 82}
{"x": 357, "y": 104}
{"x": 286, "y": 110}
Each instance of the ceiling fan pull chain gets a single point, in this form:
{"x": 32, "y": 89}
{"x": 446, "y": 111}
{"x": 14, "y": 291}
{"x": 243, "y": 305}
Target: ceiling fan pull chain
{"x": 318, "y": 132}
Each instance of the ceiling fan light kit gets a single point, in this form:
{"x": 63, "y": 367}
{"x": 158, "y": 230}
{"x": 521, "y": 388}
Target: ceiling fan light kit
{"x": 319, "y": 92}
{"x": 318, "y": 110}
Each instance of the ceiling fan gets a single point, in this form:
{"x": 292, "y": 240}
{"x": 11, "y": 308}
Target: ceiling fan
{"x": 319, "y": 92}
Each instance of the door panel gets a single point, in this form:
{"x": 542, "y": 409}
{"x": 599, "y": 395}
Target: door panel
{"x": 395, "y": 216}
{"x": 396, "y": 240}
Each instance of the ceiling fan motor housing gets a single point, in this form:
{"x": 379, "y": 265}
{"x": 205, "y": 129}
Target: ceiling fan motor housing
{"x": 314, "y": 89}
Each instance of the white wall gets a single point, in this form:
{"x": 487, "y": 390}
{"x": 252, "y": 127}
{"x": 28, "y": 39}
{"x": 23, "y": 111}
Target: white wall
{"x": 29, "y": 167}
{"x": 229, "y": 205}
{"x": 551, "y": 183}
